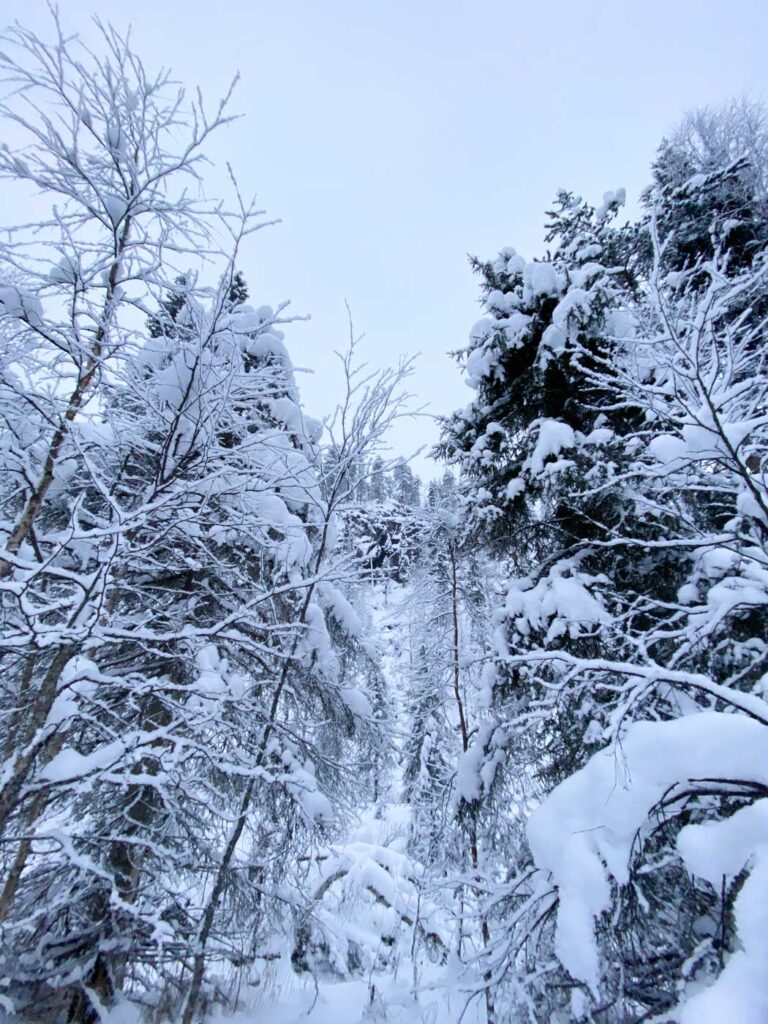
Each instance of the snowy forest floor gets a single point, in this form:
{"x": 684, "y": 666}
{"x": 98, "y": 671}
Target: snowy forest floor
{"x": 294, "y": 999}
{"x": 393, "y": 996}
{"x": 379, "y": 998}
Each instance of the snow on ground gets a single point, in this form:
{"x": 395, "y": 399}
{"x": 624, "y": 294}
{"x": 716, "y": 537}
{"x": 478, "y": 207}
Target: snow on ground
{"x": 380, "y": 998}
{"x": 290, "y": 998}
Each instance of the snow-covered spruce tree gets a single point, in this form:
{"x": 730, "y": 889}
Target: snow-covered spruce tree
{"x": 599, "y": 631}
{"x": 406, "y": 486}
{"x": 168, "y": 571}
{"x": 525, "y": 446}
{"x": 530, "y": 394}
{"x": 514, "y": 445}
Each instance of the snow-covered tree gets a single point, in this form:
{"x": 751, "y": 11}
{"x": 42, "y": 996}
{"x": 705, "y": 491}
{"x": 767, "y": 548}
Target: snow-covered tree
{"x": 613, "y": 507}
{"x": 177, "y": 643}
{"x": 689, "y": 685}
{"x": 105, "y": 146}
{"x": 406, "y": 486}
{"x": 710, "y": 190}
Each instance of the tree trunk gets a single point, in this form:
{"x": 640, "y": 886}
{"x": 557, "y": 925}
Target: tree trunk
{"x": 25, "y": 844}
{"x": 490, "y": 1009}
{"x": 33, "y": 742}
{"x": 206, "y": 923}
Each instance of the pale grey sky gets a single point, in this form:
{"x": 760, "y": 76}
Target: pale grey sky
{"x": 394, "y": 137}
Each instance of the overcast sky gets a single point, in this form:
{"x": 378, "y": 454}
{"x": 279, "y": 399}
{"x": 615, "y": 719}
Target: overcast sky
{"x": 392, "y": 138}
